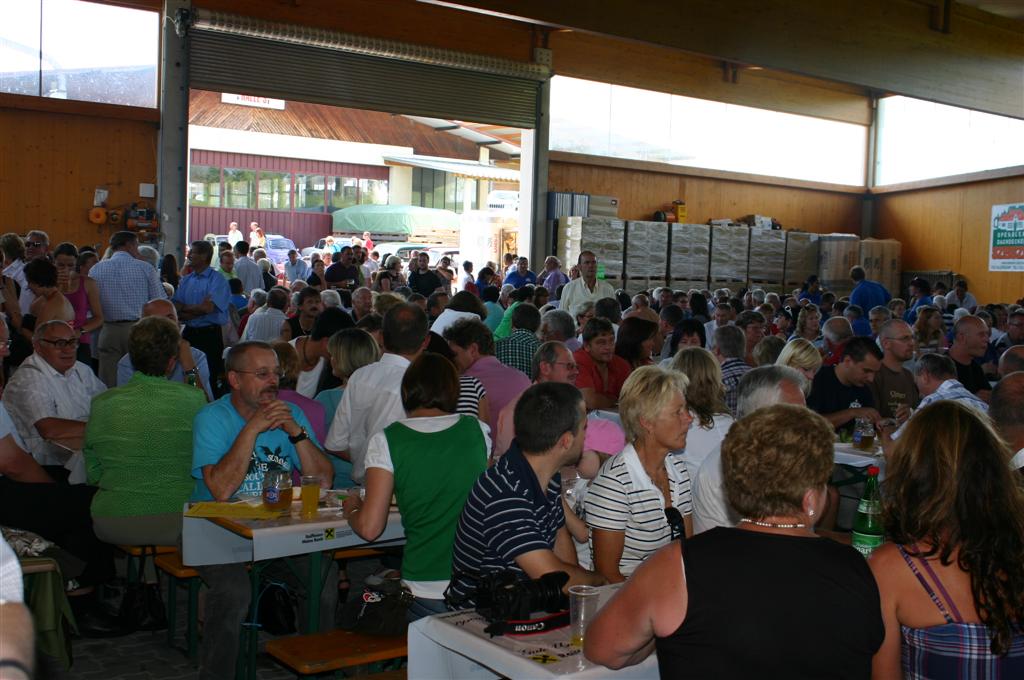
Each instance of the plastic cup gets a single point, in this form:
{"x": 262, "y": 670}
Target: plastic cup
{"x": 583, "y": 605}
{"x": 310, "y": 495}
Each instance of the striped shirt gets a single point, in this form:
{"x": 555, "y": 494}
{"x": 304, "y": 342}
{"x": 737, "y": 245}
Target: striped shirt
{"x": 471, "y": 391}
{"x": 623, "y": 498}
{"x": 506, "y": 515}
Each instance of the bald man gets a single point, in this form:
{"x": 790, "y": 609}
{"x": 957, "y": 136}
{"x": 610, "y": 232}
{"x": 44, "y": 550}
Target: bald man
{"x": 1007, "y": 413}
{"x": 1011, "y": 361}
{"x": 191, "y": 362}
{"x": 970, "y": 342}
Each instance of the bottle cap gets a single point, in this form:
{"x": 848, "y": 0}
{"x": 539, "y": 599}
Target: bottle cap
{"x": 873, "y": 471}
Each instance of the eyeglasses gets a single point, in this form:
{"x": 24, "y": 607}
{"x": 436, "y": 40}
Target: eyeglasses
{"x": 263, "y": 374}
{"x": 59, "y": 344}
{"x": 34, "y": 244}
{"x": 5, "y": 343}
{"x": 569, "y": 365}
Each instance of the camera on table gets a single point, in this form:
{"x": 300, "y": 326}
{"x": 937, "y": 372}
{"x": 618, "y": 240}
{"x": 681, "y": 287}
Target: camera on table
{"x": 503, "y": 596}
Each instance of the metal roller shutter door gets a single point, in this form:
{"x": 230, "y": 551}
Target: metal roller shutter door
{"x": 225, "y": 62}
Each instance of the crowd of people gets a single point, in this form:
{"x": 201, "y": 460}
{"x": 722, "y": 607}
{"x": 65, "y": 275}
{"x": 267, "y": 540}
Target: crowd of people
{"x": 678, "y": 441}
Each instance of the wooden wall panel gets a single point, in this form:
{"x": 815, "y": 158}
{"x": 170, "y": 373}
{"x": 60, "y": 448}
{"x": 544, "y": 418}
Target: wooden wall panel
{"x": 947, "y": 228}
{"x": 641, "y": 193}
{"x": 51, "y": 163}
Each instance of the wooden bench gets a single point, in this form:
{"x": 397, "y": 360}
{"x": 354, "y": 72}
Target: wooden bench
{"x": 137, "y": 554}
{"x": 171, "y": 564}
{"x": 357, "y": 553}
{"x": 324, "y": 652}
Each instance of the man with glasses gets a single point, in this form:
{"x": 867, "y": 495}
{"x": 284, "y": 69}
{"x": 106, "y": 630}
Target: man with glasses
{"x": 1014, "y": 332}
{"x": 894, "y": 390}
{"x": 126, "y": 283}
{"x": 236, "y": 441}
{"x": 202, "y": 301}
{"x": 49, "y": 398}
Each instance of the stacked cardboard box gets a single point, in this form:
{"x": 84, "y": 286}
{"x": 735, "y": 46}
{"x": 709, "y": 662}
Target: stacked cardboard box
{"x": 767, "y": 258}
{"x": 604, "y": 236}
{"x": 837, "y": 254}
{"x": 647, "y": 250}
{"x": 730, "y": 246}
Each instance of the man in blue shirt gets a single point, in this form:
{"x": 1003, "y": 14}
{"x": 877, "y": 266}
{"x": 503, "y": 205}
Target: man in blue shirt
{"x": 513, "y": 518}
{"x": 236, "y": 440}
{"x": 522, "y": 274}
{"x": 920, "y": 295}
{"x": 867, "y": 294}
{"x": 295, "y": 269}
{"x": 202, "y": 301}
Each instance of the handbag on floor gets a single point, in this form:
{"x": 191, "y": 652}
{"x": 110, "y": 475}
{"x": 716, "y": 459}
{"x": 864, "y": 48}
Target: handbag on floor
{"x": 381, "y": 610}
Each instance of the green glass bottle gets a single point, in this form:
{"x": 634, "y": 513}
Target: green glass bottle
{"x": 867, "y": 525}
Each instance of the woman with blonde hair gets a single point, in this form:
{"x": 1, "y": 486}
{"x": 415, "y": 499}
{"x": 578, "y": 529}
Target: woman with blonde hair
{"x": 764, "y": 599}
{"x": 801, "y": 355}
{"x": 928, "y": 331}
{"x": 808, "y": 326}
{"x": 350, "y": 349}
{"x": 640, "y": 500}
{"x": 952, "y": 577}
{"x": 289, "y": 366}
{"x": 705, "y": 397}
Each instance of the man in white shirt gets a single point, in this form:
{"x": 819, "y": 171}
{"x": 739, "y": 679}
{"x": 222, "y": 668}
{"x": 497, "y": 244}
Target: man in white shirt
{"x": 587, "y": 287}
{"x": 247, "y": 270}
{"x": 234, "y": 234}
{"x": 373, "y": 396}
{"x": 761, "y": 387}
{"x": 49, "y": 398}
{"x": 265, "y": 323}
{"x": 724, "y": 315}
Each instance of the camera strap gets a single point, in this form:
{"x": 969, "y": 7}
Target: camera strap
{"x": 529, "y": 626}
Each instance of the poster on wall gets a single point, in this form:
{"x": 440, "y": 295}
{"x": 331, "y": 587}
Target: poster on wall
{"x": 1006, "y": 253}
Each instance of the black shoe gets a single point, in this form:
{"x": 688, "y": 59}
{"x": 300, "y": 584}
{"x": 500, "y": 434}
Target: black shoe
{"x": 95, "y": 623}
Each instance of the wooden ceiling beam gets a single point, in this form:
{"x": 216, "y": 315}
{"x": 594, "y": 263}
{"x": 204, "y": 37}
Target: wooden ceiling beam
{"x": 887, "y": 46}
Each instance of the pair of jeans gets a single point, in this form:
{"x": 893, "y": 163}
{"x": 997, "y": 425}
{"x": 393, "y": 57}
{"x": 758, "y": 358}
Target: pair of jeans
{"x": 423, "y": 607}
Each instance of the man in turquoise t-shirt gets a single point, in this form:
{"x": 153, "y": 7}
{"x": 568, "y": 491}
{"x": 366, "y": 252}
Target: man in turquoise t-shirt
{"x": 236, "y": 440}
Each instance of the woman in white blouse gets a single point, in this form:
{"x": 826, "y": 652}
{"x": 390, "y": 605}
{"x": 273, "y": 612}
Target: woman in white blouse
{"x": 641, "y": 498}
{"x": 705, "y": 397}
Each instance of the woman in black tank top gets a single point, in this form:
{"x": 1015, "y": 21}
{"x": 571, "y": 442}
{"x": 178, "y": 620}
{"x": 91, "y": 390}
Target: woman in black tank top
{"x": 766, "y": 599}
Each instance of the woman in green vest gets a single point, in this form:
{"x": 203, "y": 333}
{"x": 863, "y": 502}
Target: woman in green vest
{"x": 429, "y": 461}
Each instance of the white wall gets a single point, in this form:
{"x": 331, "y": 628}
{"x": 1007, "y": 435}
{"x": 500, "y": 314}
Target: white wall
{"x": 400, "y": 185}
{"x": 285, "y": 146}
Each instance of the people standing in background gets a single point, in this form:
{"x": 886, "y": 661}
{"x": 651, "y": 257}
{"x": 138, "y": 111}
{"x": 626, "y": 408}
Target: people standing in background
{"x": 587, "y": 287}
{"x": 552, "y": 277}
{"x": 810, "y": 291}
{"x": 256, "y": 237}
{"x": 866, "y": 293}
{"x": 246, "y": 268}
{"x": 202, "y": 302}
{"x": 83, "y": 294}
{"x": 125, "y": 285}
{"x": 234, "y": 234}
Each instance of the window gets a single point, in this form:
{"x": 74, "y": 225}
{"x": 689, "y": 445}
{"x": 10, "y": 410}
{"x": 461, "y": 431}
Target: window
{"x": 239, "y": 188}
{"x": 44, "y": 51}
{"x": 921, "y": 140}
{"x": 275, "y": 190}
{"x": 623, "y": 122}
{"x": 309, "y": 193}
{"x": 204, "y": 186}
{"x": 344, "y": 192}
{"x": 437, "y": 189}
{"x": 373, "y": 192}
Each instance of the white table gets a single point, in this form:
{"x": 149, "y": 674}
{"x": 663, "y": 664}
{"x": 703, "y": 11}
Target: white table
{"x": 454, "y": 645}
{"x": 846, "y": 454}
{"x": 224, "y": 540}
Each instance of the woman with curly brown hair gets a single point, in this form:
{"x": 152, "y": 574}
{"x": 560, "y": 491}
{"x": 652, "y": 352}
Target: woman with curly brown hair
{"x": 808, "y": 326}
{"x": 764, "y": 599}
{"x": 929, "y": 331}
{"x": 952, "y": 579}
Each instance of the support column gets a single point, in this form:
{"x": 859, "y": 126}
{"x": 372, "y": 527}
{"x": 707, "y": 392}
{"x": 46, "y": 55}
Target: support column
{"x": 533, "y": 172}
{"x": 172, "y": 164}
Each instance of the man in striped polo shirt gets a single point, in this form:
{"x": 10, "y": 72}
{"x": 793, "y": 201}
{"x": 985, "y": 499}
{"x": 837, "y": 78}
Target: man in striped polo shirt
{"x": 513, "y": 519}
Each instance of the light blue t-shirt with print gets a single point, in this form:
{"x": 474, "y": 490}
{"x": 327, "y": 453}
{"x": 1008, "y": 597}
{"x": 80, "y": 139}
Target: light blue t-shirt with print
{"x": 215, "y": 429}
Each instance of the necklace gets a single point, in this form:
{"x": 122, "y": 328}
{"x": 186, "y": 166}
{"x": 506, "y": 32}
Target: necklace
{"x": 773, "y": 525}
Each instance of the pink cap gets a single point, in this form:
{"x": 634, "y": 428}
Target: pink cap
{"x": 604, "y": 436}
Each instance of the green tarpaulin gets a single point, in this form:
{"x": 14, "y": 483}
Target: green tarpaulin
{"x": 391, "y": 219}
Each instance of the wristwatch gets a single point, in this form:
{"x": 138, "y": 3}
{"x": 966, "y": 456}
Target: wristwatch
{"x": 299, "y": 437}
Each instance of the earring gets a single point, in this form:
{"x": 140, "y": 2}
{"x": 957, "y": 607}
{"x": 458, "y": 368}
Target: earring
{"x": 810, "y": 513}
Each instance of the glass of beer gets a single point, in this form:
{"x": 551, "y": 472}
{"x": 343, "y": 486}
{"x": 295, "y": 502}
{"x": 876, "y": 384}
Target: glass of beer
{"x": 277, "y": 490}
{"x": 583, "y": 606}
{"x": 310, "y": 495}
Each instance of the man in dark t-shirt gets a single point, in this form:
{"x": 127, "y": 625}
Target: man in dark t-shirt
{"x": 970, "y": 342}
{"x": 838, "y": 389}
{"x": 343, "y": 273}
{"x": 422, "y": 280}
{"x": 893, "y": 389}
